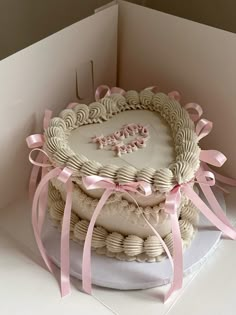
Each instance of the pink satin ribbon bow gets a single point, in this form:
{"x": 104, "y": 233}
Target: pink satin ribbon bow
{"x": 205, "y": 177}
{"x": 39, "y": 196}
{"x": 218, "y": 219}
{"x": 64, "y": 175}
{"x": 37, "y": 141}
{"x": 98, "y": 182}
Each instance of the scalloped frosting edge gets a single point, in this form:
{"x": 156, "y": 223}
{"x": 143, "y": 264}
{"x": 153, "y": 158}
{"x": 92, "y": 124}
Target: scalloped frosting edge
{"x": 183, "y": 132}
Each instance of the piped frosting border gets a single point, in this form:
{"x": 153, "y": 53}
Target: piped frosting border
{"x": 182, "y": 128}
{"x": 124, "y": 247}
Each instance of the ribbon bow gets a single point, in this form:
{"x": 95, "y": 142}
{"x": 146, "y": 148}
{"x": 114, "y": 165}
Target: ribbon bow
{"x": 218, "y": 219}
{"x": 64, "y": 175}
{"x": 37, "y": 141}
{"x": 205, "y": 177}
{"x": 39, "y": 196}
{"x": 95, "y": 182}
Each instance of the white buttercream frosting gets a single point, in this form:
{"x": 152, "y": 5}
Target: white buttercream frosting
{"x": 131, "y": 240}
{"x": 153, "y": 246}
{"x": 63, "y": 154}
{"x": 57, "y": 122}
{"x": 119, "y": 100}
{"x": 99, "y": 237}
{"x": 126, "y": 174}
{"x": 57, "y": 132}
{"x": 164, "y": 180}
{"x": 146, "y": 98}
{"x": 110, "y": 106}
{"x": 132, "y": 98}
{"x": 82, "y": 114}
{"x": 184, "y": 136}
{"x": 133, "y": 245}
{"x": 114, "y": 244}
{"x": 69, "y": 117}
{"x": 109, "y": 171}
{"x": 97, "y": 112}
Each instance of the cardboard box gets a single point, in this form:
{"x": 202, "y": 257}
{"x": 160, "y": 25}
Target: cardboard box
{"x": 125, "y": 45}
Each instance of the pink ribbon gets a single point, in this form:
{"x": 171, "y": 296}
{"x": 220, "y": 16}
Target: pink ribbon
{"x": 95, "y": 182}
{"x": 205, "y": 179}
{"x": 212, "y": 157}
{"x": 34, "y": 142}
{"x": 104, "y": 90}
{"x": 37, "y": 141}
{"x": 194, "y": 110}
{"x": 203, "y": 128}
{"x": 38, "y": 213}
{"x": 154, "y": 88}
{"x": 221, "y": 178}
{"x": 218, "y": 219}
{"x": 175, "y": 95}
{"x": 71, "y": 105}
{"x": 171, "y": 206}
{"x": 40, "y": 194}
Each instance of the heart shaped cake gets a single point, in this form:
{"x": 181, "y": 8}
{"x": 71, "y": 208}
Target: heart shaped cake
{"x": 119, "y": 175}
{"x": 125, "y": 138}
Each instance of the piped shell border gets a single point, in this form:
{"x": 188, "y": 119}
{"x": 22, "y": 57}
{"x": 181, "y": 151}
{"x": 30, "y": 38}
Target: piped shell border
{"x": 124, "y": 247}
{"x": 182, "y": 128}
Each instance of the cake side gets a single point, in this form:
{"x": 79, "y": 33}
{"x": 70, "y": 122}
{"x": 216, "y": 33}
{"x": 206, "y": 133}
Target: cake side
{"x": 128, "y": 247}
{"x": 119, "y": 214}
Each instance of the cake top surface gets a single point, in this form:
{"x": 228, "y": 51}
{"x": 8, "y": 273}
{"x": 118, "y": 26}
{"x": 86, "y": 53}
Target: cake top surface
{"x": 165, "y": 154}
{"x": 158, "y": 151}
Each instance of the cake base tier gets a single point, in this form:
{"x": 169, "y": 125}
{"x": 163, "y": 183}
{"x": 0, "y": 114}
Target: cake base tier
{"x": 112, "y": 273}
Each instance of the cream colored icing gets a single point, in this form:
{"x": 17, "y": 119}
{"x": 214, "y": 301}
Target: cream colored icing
{"x": 119, "y": 214}
{"x": 159, "y": 147}
{"x": 82, "y": 113}
{"x": 184, "y": 136}
{"x": 122, "y": 246}
{"x": 170, "y": 158}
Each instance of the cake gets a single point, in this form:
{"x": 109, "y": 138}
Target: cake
{"x": 125, "y": 137}
{"x": 118, "y": 176}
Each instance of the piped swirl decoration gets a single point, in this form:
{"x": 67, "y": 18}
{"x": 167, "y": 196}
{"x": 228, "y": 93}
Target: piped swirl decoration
{"x": 178, "y": 119}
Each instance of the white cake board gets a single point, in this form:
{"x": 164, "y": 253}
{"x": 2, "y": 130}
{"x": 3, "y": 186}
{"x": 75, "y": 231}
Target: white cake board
{"x": 112, "y": 273}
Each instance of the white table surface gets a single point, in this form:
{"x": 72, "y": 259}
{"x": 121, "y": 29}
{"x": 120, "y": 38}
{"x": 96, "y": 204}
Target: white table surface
{"x": 26, "y": 287}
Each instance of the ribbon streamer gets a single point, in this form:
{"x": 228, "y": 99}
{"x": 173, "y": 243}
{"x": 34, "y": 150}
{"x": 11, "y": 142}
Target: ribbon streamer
{"x": 203, "y": 128}
{"x": 219, "y": 219}
{"x": 172, "y": 203}
{"x": 194, "y": 110}
{"x": 95, "y": 182}
{"x": 64, "y": 176}
{"x": 37, "y": 141}
{"x": 204, "y": 177}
